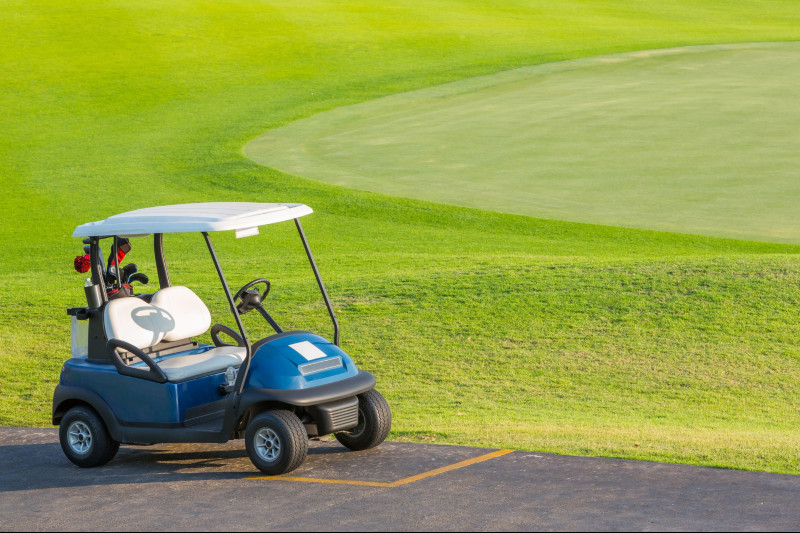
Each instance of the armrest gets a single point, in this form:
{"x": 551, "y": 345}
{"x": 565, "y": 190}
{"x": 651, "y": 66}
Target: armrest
{"x": 154, "y": 374}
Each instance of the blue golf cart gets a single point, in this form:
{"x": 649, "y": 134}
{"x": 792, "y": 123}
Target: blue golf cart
{"x": 138, "y": 376}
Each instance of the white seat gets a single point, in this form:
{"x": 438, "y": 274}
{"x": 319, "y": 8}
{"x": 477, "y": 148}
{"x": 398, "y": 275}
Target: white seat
{"x": 191, "y": 316}
{"x": 175, "y": 313}
{"x": 136, "y": 322}
{"x": 183, "y": 367}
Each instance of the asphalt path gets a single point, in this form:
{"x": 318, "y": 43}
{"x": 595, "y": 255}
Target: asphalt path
{"x": 397, "y": 486}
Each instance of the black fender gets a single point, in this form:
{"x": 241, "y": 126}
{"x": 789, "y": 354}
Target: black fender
{"x": 346, "y": 388}
{"x": 65, "y": 395}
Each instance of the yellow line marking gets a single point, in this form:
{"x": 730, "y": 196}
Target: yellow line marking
{"x": 404, "y": 481}
{"x": 319, "y": 480}
{"x": 454, "y": 466}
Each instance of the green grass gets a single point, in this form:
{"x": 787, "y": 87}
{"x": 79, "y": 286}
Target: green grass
{"x": 482, "y": 328}
{"x": 692, "y": 139}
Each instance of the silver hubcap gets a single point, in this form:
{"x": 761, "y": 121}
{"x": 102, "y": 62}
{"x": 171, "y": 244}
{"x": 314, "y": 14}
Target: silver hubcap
{"x": 268, "y": 444}
{"x": 80, "y": 437}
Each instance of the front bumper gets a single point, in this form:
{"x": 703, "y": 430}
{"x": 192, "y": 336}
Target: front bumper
{"x": 338, "y": 390}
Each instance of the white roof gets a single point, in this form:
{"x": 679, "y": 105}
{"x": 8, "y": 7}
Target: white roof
{"x": 243, "y": 217}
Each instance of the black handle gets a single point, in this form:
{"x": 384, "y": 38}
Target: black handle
{"x": 216, "y": 329}
{"x": 154, "y": 374}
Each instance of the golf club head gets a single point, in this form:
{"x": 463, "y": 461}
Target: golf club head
{"x": 128, "y": 271}
{"x": 140, "y": 277}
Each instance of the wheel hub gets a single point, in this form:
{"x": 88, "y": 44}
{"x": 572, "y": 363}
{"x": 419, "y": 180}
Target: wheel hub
{"x": 79, "y": 437}
{"x": 359, "y": 429}
{"x": 267, "y": 444}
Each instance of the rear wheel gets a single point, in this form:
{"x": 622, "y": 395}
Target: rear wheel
{"x": 276, "y": 442}
{"x": 85, "y": 439}
{"x": 374, "y": 423}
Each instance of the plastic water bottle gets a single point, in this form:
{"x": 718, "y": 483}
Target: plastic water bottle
{"x": 230, "y": 375}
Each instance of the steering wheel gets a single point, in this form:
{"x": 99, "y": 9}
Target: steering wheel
{"x": 249, "y": 300}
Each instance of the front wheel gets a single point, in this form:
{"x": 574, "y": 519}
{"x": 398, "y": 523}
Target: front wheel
{"x": 276, "y": 442}
{"x": 85, "y": 439}
{"x": 374, "y": 422}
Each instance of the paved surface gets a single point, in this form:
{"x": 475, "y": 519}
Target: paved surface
{"x": 395, "y": 486}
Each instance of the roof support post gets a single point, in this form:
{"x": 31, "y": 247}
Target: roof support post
{"x": 96, "y": 261}
{"x": 161, "y": 261}
{"x": 319, "y": 282}
{"x": 246, "y": 364}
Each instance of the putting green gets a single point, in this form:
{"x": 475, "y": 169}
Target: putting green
{"x": 697, "y": 140}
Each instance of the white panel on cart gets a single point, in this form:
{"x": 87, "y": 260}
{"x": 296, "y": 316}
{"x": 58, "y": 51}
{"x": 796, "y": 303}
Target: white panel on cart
{"x": 308, "y": 350}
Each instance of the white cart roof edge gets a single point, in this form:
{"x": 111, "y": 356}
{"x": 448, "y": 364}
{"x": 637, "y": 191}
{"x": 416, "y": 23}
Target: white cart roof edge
{"x": 242, "y": 217}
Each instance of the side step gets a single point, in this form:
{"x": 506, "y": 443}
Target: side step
{"x": 207, "y": 417}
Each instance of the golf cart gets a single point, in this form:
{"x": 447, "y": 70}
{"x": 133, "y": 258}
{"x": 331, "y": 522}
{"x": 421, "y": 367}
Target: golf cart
{"x": 138, "y": 376}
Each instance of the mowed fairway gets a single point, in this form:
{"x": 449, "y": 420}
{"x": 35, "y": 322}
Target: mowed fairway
{"x": 482, "y": 328}
{"x": 694, "y": 140}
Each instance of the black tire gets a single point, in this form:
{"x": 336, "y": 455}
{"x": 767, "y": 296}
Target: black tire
{"x": 276, "y": 442}
{"x": 374, "y": 423}
{"x": 85, "y": 439}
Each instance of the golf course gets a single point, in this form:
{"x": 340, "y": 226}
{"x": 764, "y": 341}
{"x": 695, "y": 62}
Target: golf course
{"x": 693, "y": 140}
{"x": 564, "y": 227}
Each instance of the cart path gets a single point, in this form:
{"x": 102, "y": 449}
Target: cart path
{"x": 399, "y": 486}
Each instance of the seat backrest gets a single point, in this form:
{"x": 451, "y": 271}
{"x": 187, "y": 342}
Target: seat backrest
{"x": 134, "y": 321}
{"x": 190, "y": 315}
{"x": 174, "y": 313}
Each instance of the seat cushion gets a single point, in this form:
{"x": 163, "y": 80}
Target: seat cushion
{"x": 179, "y": 367}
